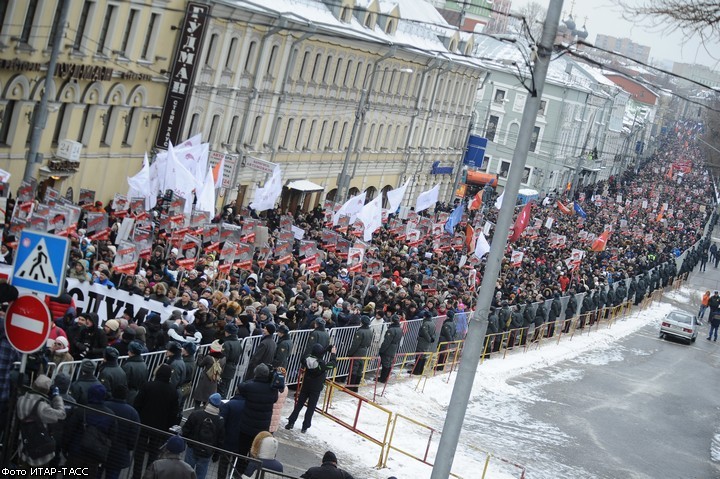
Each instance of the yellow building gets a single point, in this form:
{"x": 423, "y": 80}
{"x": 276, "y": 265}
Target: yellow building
{"x": 108, "y": 88}
{"x": 384, "y": 88}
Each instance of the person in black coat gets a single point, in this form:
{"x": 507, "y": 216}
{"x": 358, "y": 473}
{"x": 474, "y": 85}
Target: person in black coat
{"x": 264, "y": 352}
{"x": 97, "y": 415}
{"x": 257, "y": 413}
{"x": 158, "y": 406}
{"x": 389, "y": 347}
{"x": 328, "y": 469}
{"x": 312, "y": 384}
{"x": 128, "y": 432}
{"x": 447, "y": 335}
{"x": 231, "y": 411}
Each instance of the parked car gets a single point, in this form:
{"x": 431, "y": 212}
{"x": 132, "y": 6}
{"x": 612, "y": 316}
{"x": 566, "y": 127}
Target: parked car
{"x": 680, "y": 325}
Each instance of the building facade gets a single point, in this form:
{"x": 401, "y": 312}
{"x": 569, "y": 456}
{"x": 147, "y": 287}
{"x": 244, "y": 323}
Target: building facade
{"x": 107, "y": 89}
{"x": 371, "y": 89}
{"x": 625, "y": 46}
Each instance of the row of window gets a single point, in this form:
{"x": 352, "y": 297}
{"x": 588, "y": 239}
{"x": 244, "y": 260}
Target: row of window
{"x": 492, "y": 127}
{"x": 79, "y": 27}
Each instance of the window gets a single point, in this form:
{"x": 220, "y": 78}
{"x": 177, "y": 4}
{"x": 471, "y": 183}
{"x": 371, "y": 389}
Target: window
{"x": 504, "y": 169}
{"x": 315, "y": 68}
{"x": 485, "y": 163}
{"x": 6, "y": 119}
{"x": 499, "y": 96}
{"x": 130, "y": 121}
{"x": 250, "y": 54}
{"x": 82, "y": 23}
{"x": 313, "y": 125}
{"x": 301, "y": 130}
{"x": 338, "y": 66}
{"x": 151, "y": 29}
{"x": 491, "y": 128}
{"x": 328, "y": 66}
{"x": 370, "y": 21}
{"x": 303, "y": 65}
{"x": 255, "y": 131}
{"x": 128, "y": 30}
{"x": 348, "y": 68}
{"x": 3, "y": 12}
{"x": 333, "y": 132}
{"x": 534, "y": 138}
{"x": 233, "y": 130}
{"x": 271, "y": 60}
{"x": 231, "y": 54}
{"x": 378, "y": 139}
{"x": 59, "y": 123}
{"x": 194, "y": 121}
{"x": 109, "y": 14}
{"x": 213, "y": 129}
{"x": 29, "y": 20}
{"x": 107, "y": 132}
{"x": 210, "y": 53}
{"x": 55, "y": 23}
{"x": 526, "y": 176}
{"x": 345, "y": 15}
{"x": 323, "y": 130}
{"x": 519, "y": 102}
{"x": 341, "y": 140}
{"x": 543, "y": 106}
{"x": 83, "y": 125}
{"x": 288, "y": 133}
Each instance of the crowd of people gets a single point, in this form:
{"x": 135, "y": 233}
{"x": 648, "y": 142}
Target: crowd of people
{"x": 652, "y": 212}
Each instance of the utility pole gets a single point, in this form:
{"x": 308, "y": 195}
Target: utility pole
{"x": 476, "y": 333}
{"x": 41, "y": 113}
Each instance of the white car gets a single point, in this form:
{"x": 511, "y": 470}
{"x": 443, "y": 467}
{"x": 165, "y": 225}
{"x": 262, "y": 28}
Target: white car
{"x": 681, "y": 325}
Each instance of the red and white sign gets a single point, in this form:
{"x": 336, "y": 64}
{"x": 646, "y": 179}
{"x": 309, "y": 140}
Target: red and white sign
{"x": 27, "y": 323}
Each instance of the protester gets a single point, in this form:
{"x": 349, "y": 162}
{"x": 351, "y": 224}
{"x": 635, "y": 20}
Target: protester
{"x": 33, "y": 406}
{"x": 206, "y": 429}
{"x": 327, "y": 470}
{"x": 171, "y": 465}
{"x": 315, "y": 371}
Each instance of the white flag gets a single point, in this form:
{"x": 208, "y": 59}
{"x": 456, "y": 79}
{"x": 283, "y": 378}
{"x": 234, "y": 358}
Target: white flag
{"x": 266, "y": 196}
{"x": 371, "y": 216}
{"x": 180, "y": 180}
{"x": 351, "y": 208}
{"x": 482, "y": 247}
{"x": 206, "y": 198}
{"x": 499, "y": 200}
{"x": 194, "y": 158}
{"x": 395, "y": 197}
{"x": 427, "y": 199}
{"x": 140, "y": 186}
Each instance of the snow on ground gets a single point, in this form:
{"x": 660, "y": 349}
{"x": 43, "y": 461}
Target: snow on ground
{"x": 495, "y": 398}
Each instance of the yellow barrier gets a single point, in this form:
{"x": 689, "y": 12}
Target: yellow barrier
{"x": 331, "y": 388}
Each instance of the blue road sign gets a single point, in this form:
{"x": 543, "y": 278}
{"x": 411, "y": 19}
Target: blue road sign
{"x": 40, "y": 262}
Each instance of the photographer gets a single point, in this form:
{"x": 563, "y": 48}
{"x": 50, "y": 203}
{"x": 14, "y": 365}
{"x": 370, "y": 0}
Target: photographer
{"x": 91, "y": 340}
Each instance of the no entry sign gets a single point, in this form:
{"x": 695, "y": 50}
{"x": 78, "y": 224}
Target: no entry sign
{"x": 27, "y": 323}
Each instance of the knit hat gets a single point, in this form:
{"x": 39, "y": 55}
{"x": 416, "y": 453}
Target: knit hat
{"x": 140, "y": 333}
{"x": 231, "y": 328}
{"x": 42, "y": 384}
{"x": 112, "y": 324}
{"x": 204, "y": 302}
{"x": 283, "y": 329}
{"x": 215, "y": 346}
{"x": 189, "y": 347}
{"x": 261, "y": 371}
{"x": 163, "y": 373}
{"x": 270, "y": 328}
{"x": 62, "y": 381}
{"x": 135, "y": 348}
{"x": 215, "y": 399}
{"x": 317, "y": 350}
{"x": 96, "y": 394}
{"x": 395, "y": 318}
{"x": 62, "y": 340}
{"x": 329, "y": 457}
{"x": 272, "y": 308}
{"x": 87, "y": 367}
{"x": 128, "y": 335}
{"x": 111, "y": 353}
{"x": 365, "y": 320}
{"x": 175, "y": 445}
{"x": 320, "y": 321}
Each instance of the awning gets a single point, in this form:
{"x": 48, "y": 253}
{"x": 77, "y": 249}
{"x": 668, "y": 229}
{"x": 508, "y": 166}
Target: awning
{"x": 304, "y": 185}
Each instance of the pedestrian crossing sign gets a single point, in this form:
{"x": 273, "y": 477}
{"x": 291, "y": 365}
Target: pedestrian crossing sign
{"x": 40, "y": 262}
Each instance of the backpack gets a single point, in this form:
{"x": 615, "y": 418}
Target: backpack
{"x": 206, "y": 434}
{"x": 214, "y": 371}
{"x": 95, "y": 444}
{"x": 36, "y": 439}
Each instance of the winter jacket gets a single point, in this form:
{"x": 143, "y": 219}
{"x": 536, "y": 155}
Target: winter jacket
{"x": 205, "y": 387}
{"x": 277, "y": 410}
{"x": 157, "y": 405}
{"x": 92, "y": 342}
{"x": 361, "y": 342}
{"x": 137, "y": 373}
{"x": 540, "y": 315}
{"x": 493, "y": 326}
{"x": 426, "y": 336}
{"x": 112, "y": 375}
{"x": 232, "y": 348}
{"x": 191, "y": 429}
{"x": 266, "y": 452}
{"x": 80, "y": 388}
{"x": 103, "y": 420}
{"x": 328, "y": 470}
{"x": 48, "y": 412}
{"x": 59, "y": 305}
{"x": 231, "y": 411}
{"x": 127, "y": 435}
{"x": 315, "y": 371}
{"x": 317, "y": 336}
{"x": 259, "y": 400}
{"x": 390, "y": 344}
{"x": 555, "y": 308}
{"x": 447, "y": 333}
{"x": 171, "y": 467}
{"x": 178, "y": 370}
{"x": 571, "y": 307}
{"x": 264, "y": 354}
{"x": 282, "y": 353}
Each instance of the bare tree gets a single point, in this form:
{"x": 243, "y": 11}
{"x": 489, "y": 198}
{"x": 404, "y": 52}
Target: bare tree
{"x": 534, "y": 15}
{"x": 690, "y": 17}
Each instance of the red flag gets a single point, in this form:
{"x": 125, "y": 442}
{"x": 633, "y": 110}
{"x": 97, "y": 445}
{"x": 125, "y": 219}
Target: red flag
{"x": 660, "y": 215}
{"x": 563, "y": 208}
{"x": 669, "y": 174}
{"x": 469, "y": 234}
{"x": 601, "y": 241}
{"x": 521, "y": 223}
{"x": 476, "y": 202}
